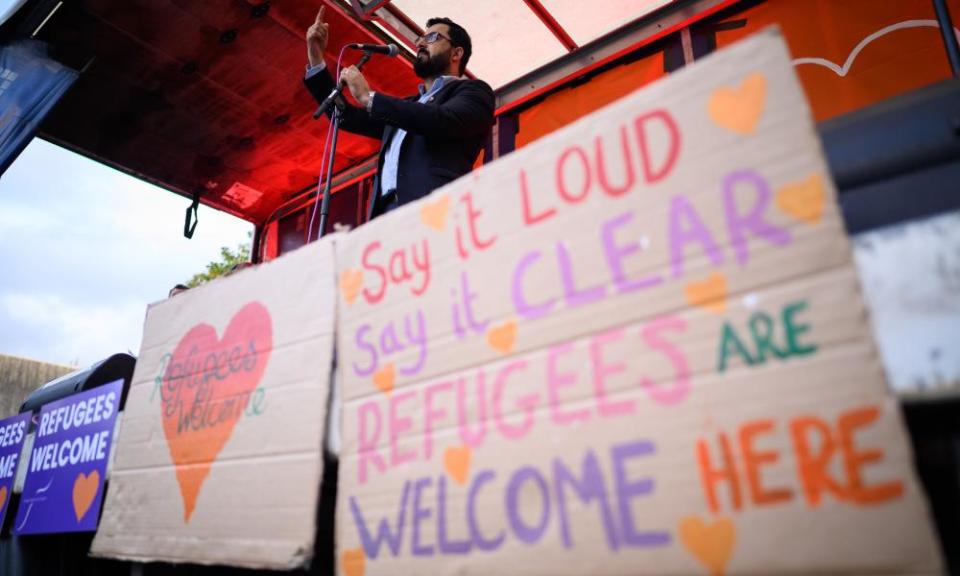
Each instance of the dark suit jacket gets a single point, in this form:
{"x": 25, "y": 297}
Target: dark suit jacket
{"x": 444, "y": 135}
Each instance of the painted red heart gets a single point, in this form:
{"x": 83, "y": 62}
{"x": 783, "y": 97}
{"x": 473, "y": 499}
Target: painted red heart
{"x": 205, "y": 391}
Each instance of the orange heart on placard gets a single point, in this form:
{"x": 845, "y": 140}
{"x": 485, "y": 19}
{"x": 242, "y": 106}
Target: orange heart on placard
{"x": 434, "y": 214}
{"x": 3, "y": 496}
{"x": 804, "y": 200}
{"x": 247, "y": 342}
{"x": 739, "y": 109}
{"x": 351, "y": 281}
{"x": 710, "y": 543}
{"x": 385, "y": 377}
{"x": 502, "y": 338}
{"x": 85, "y": 488}
{"x": 456, "y": 461}
{"x": 353, "y": 562}
{"x": 710, "y": 293}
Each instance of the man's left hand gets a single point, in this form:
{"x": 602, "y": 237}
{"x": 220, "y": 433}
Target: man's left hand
{"x": 357, "y": 84}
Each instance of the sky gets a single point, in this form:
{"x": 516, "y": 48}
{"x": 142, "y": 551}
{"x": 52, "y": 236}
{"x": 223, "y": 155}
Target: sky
{"x": 84, "y": 249}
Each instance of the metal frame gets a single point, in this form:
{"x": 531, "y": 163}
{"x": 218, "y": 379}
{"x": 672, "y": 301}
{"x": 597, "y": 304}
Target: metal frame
{"x": 399, "y": 24}
{"x": 29, "y": 19}
{"x": 396, "y": 27}
{"x": 551, "y": 23}
{"x": 674, "y": 17}
{"x": 949, "y": 38}
{"x": 364, "y": 9}
{"x": 342, "y": 180}
{"x": 656, "y": 25}
{"x": 646, "y": 30}
{"x": 604, "y": 50}
{"x": 139, "y": 175}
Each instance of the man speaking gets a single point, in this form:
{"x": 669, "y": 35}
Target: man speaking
{"x": 428, "y": 139}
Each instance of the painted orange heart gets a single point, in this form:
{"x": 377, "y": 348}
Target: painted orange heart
{"x": 502, "y": 338}
{"x": 456, "y": 461}
{"x": 803, "y": 200}
{"x": 353, "y": 562}
{"x": 434, "y": 214}
{"x": 85, "y": 488}
{"x": 710, "y": 294}
{"x": 351, "y": 281}
{"x": 3, "y": 497}
{"x": 209, "y": 378}
{"x": 385, "y": 377}
{"x": 739, "y": 109}
{"x": 710, "y": 543}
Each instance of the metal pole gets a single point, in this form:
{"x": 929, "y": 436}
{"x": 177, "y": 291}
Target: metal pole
{"x": 949, "y": 37}
{"x": 325, "y": 201}
{"x": 336, "y": 116}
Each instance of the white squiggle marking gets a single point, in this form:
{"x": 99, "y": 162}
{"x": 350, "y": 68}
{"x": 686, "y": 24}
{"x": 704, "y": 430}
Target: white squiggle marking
{"x": 40, "y": 490}
{"x": 45, "y": 488}
{"x": 866, "y": 41}
{"x": 25, "y": 518}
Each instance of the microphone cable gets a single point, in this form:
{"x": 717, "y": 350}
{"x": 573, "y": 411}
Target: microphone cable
{"x": 324, "y": 160}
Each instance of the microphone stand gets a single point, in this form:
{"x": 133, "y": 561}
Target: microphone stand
{"x": 330, "y": 100}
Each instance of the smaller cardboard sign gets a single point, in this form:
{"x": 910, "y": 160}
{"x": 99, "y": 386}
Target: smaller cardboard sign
{"x": 220, "y": 455}
{"x": 12, "y": 432}
{"x": 64, "y": 484}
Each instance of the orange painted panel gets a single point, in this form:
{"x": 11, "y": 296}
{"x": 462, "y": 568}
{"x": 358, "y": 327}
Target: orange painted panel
{"x": 853, "y": 53}
{"x": 563, "y": 107}
{"x": 849, "y": 54}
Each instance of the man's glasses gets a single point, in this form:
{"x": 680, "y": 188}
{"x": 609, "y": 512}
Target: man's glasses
{"x": 431, "y": 37}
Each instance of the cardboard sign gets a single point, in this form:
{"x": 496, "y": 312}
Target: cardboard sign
{"x": 63, "y": 488}
{"x": 220, "y": 453}
{"x": 13, "y": 431}
{"x": 635, "y": 347}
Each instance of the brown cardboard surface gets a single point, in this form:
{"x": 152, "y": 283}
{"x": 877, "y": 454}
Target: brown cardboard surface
{"x": 636, "y": 346}
{"x": 237, "y": 487}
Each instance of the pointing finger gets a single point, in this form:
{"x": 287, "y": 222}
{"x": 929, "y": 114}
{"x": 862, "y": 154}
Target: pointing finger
{"x": 320, "y": 14}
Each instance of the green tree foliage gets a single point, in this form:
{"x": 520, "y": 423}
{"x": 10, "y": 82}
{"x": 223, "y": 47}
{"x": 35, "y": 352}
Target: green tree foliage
{"x": 228, "y": 259}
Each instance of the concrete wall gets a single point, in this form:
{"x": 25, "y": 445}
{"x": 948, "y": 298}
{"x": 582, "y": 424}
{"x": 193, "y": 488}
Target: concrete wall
{"x": 19, "y": 377}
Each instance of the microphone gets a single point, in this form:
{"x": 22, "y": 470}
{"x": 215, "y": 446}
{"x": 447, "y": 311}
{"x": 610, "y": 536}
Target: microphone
{"x": 388, "y": 49}
{"x": 335, "y": 96}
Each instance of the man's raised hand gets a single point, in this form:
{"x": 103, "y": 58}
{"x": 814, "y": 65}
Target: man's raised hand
{"x": 317, "y": 36}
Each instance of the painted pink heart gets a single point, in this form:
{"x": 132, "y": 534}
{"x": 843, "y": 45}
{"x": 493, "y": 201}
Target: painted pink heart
{"x": 205, "y": 392}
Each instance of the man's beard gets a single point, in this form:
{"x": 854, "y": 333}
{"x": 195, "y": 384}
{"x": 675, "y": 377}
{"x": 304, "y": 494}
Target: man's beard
{"x": 431, "y": 66}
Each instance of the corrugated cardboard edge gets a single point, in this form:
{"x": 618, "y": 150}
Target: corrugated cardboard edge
{"x": 304, "y": 556}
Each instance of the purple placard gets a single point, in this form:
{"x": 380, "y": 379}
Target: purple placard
{"x": 64, "y": 485}
{"x": 12, "y": 432}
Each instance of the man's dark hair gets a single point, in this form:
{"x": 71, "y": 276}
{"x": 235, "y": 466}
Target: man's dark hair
{"x": 458, "y": 37}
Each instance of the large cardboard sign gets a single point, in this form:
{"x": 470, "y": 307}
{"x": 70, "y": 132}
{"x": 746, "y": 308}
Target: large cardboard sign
{"x": 220, "y": 452}
{"x": 13, "y": 431}
{"x": 635, "y": 347}
{"x": 63, "y": 488}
